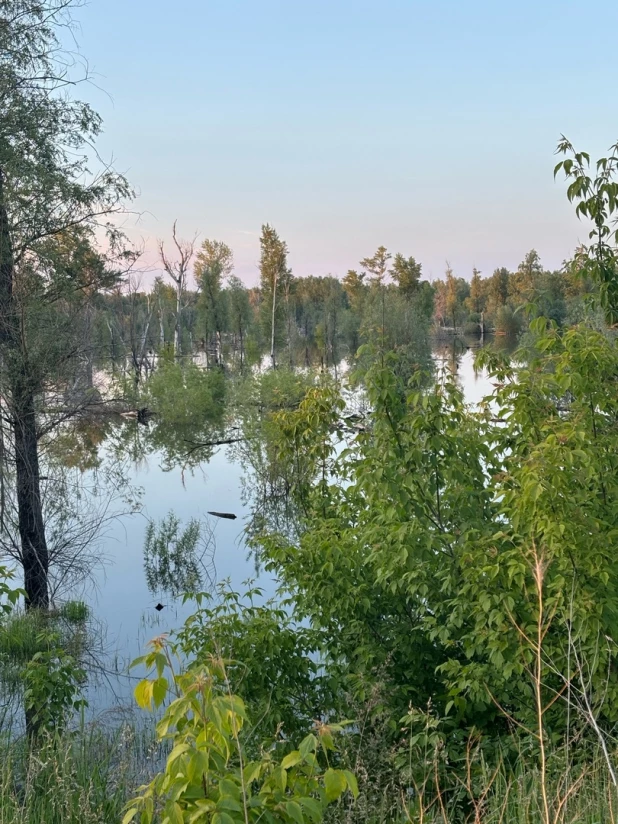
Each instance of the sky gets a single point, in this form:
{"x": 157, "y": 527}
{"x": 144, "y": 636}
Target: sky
{"x": 426, "y": 126}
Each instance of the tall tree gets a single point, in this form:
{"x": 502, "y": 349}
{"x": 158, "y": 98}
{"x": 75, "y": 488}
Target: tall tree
{"x": 178, "y": 270}
{"x": 498, "y": 288}
{"x": 451, "y": 295}
{"x": 45, "y": 190}
{"x": 214, "y": 263}
{"x": 406, "y": 273}
{"x": 377, "y": 265}
{"x": 524, "y": 282}
{"x": 476, "y": 301}
{"x": 275, "y": 277}
{"x": 240, "y": 313}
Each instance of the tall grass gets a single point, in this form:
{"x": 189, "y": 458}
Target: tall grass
{"x": 585, "y": 796}
{"x": 79, "y": 778}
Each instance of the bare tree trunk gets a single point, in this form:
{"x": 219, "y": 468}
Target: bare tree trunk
{"x": 177, "y": 324}
{"x": 89, "y": 350}
{"x": 161, "y": 327}
{"x": 272, "y": 328}
{"x": 178, "y": 271}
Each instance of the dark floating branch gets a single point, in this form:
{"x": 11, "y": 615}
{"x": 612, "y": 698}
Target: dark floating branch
{"x": 230, "y": 516}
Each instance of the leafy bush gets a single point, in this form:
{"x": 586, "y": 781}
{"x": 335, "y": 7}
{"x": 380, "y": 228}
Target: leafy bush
{"x": 52, "y": 681}
{"x": 208, "y": 775}
{"x": 417, "y": 558}
{"x": 274, "y": 663}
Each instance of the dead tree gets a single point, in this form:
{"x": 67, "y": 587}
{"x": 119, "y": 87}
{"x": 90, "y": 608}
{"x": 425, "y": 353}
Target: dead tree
{"x": 178, "y": 270}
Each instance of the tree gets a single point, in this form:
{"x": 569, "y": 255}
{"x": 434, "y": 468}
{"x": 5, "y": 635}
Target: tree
{"x": 275, "y": 277}
{"x": 476, "y": 301}
{"x": 214, "y": 263}
{"x": 498, "y": 288}
{"x": 597, "y": 201}
{"x": 406, "y": 273}
{"x": 355, "y": 289}
{"x": 178, "y": 271}
{"x": 240, "y": 312}
{"x": 524, "y": 282}
{"x": 45, "y": 190}
{"x": 451, "y": 301}
{"x": 431, "y": 535}
{"x": 377, "y": 266}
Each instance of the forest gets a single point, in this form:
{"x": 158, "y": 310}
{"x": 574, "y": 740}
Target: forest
{"x": 427, "y": 630}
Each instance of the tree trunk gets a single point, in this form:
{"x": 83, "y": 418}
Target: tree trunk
{"x": 35, "y": 555}
{"x": 177, "y": 325}
{"x": 272, "y": 328}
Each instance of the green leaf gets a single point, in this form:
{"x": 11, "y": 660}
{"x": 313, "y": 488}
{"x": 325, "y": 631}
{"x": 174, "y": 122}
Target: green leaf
{"x": 143, "y": 694}
{"x": 294, "y": 811}
{"x": 334, "y": 783}
{"x": 313, "y": 807}
{"x": 130, "y": 815}
{"x": 352, "y": 782}
{"x": 159, "y": 690}
{"x": 252, "y": 772}
{"x": 222, "y": 818}
{"x": 291, "y": 760}
{"x": 307, "y": 745}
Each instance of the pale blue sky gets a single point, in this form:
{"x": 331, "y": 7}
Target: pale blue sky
{"x": 427, "y": 125}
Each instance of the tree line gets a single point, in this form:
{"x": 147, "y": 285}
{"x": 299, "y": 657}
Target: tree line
{"x": 320, "y": 318}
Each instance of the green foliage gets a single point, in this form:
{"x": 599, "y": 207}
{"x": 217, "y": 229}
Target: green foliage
{"x": 208, "y": 775}
{"x": 9, "y": 596}
{"x": 188, "y": 405}
{"x": 273, "y": 662}
{"x": 597, "y": 201}
{"x": 76, "y": 612}
{"x": 264, "y": 448}
{"x": 406, "y": 273}
{"x": 275, "y": 285}
{"x": 181, "y": 393}
{"x": 420, "y": 544}
{"x": 80, "y": 778}
{"x": 21, "y": 636}
{"x": 507, "y": 321}
{"x": 52, "y": 683}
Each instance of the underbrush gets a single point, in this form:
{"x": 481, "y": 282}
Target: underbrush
{"x": 84, "y": 777}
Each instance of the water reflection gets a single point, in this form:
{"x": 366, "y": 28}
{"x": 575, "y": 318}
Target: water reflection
{"x": 141, "y": 560}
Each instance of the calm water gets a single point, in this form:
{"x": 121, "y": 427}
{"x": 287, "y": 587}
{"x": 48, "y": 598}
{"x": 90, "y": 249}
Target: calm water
{"x": 123, "y": 604}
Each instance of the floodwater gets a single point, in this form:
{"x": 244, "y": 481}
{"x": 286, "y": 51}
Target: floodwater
{"x": 123, "y": 608}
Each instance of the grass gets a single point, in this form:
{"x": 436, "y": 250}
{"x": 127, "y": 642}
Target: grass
{"x": 580, "y": 797}
{"x": 87, "y": 776}
{"x": 20, "y": 636}
{"x": 76, "y": 612}
{"x": 82, "y": 778}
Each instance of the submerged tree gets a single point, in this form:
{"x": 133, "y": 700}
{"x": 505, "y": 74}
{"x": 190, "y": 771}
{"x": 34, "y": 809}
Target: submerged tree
{"x": 178, "y": 271}
{"x": 275, "y": 277}
{"x": 46, "y": 190}
{"x": 214, "y": 263}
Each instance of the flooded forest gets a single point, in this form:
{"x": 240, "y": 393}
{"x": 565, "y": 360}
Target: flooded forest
{"x": 333, "y": 547}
